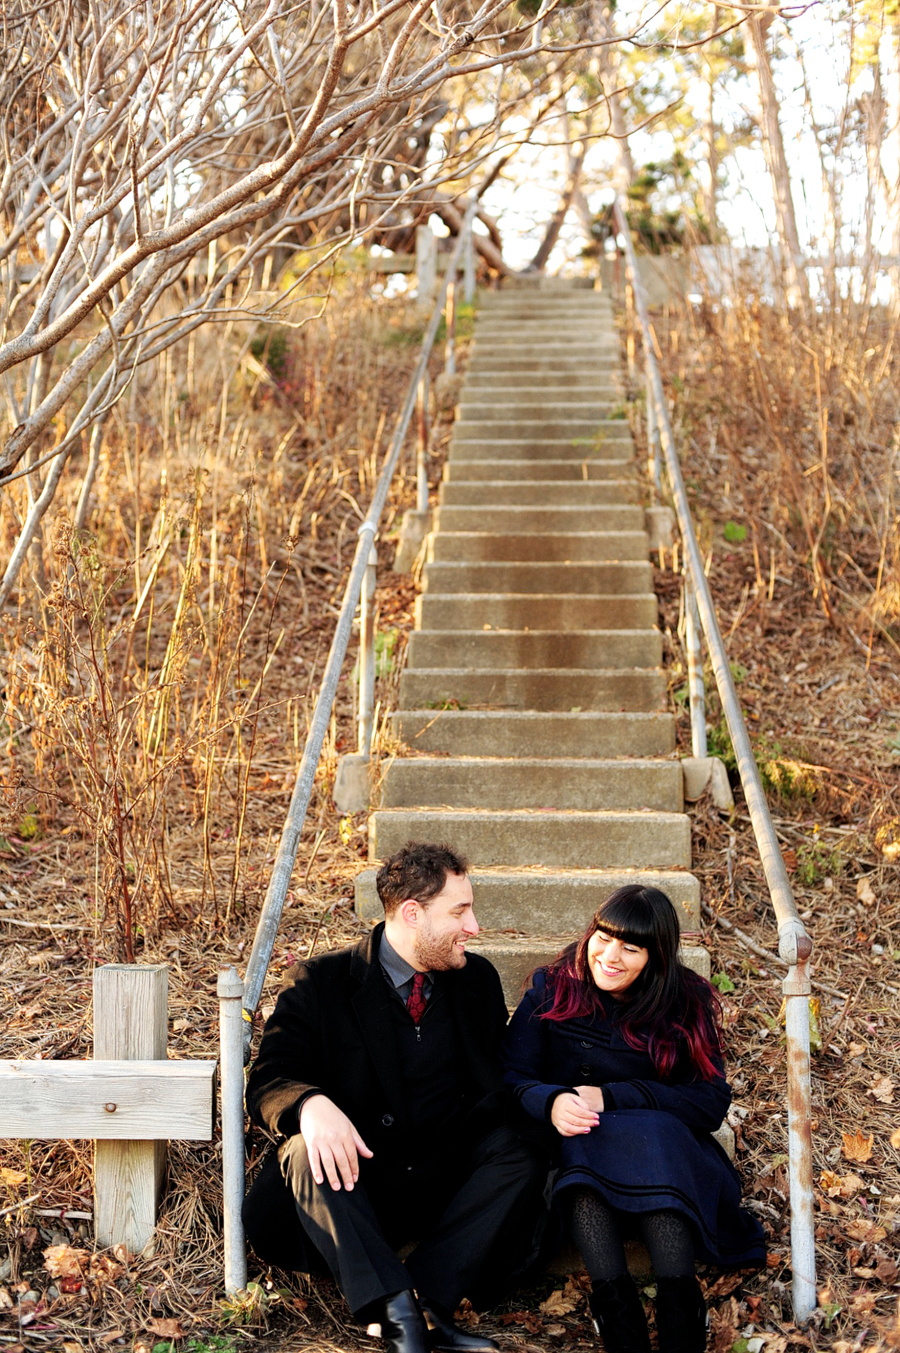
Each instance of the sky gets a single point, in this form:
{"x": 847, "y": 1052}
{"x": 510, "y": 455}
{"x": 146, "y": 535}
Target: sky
{"x": 525, "y": 201}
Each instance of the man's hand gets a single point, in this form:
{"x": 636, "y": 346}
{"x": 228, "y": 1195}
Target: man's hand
{"x": 592, "y": 1096}
{"x": 572, "y": 1116}
{"x": 332, "y": 1142}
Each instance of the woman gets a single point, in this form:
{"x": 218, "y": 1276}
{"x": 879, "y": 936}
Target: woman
{"x": 617, "y": 1045}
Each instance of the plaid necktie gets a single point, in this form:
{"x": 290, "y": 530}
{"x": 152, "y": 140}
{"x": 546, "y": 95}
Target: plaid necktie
{"x": 415, "y": 1001}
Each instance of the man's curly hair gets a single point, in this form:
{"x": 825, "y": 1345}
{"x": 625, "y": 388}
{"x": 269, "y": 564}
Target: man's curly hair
{"x": 417, "y": 871}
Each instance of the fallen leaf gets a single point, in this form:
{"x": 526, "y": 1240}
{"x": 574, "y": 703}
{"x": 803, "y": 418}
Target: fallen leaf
{"x": 895, "y": 1139}
{"x": 6, "y": 1301}
{"x": 555, "y": 1331}
{"x": 856, "y": 1049}
{"x": 12, "y": 1176}
{"x": 886, "y": 1272}
{"x": 166, "y": 1328}
{"x": 558, "y": 1304}
{"x": 30, "y": 1237}
{"x": 110, "y": 1336}
{"x": 865, "y": 1231}
{"x": 882, "y": 1089}
{"x": 856, "y": 1146}
{"x": 864, "y": 892}
{"x": 71, "y": 1283}
{"x": 865, "y": 1273}
{"x": 863, "y": 1304}
{"x": 64, "y": 1261}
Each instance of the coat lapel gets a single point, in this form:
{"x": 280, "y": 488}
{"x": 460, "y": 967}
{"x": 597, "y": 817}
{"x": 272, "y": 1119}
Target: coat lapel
{"x": 470, "y": 1026}
{"x": 371, "y": 1006}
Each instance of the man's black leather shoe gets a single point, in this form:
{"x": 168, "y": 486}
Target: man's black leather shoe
{"x": 402, "y": 1325}
{"x": 445, "y": 1337}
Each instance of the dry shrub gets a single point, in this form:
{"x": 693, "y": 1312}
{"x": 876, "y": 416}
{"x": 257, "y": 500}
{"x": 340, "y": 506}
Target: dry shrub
{"x": 161, "y": 665}
{"x": 800, "y": 422}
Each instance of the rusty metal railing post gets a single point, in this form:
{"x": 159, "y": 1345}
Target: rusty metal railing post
{"x": 654, "y": 460}
{"x": 694, "y": 653}
{"x": 796, "y": 991}
{"x": 367, "y": 655}
{"x": 422, "y": 439}
{"x": 468, "y": 260}
{"x": 794, "y": 944}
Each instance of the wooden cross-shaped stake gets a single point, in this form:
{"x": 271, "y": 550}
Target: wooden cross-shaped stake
{"x": 130, "y": 1100}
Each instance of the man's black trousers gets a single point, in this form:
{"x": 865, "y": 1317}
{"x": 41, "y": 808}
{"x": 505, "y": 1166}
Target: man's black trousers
{"x": 475, "y": 1214}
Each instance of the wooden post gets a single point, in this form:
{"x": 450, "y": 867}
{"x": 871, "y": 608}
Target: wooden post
{"x": 130, "y": 1023}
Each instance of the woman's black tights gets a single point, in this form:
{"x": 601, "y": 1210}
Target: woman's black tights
{"x": 596, "y": 1229}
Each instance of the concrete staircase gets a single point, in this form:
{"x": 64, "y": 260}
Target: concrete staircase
{"x": 533, "y": 716}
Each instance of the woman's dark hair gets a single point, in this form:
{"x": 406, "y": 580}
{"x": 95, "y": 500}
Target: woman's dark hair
{"x": 670, "y": 1012}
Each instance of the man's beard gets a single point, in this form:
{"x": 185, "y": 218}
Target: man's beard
{"x": 438, "y": 953}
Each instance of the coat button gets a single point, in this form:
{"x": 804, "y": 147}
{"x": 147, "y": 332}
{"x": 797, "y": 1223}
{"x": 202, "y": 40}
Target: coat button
{"x": 586, "y": 1069}
{"x": 388, "y": 1120}
{"x": 585, "y": 1043}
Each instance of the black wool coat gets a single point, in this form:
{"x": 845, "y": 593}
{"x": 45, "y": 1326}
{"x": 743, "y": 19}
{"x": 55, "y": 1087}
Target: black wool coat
{"x": 331, "y": 1032}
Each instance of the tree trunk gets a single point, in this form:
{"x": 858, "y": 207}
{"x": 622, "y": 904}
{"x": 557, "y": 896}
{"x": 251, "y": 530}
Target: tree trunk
{"x": 551, "y": 235}
{"x": 710, "y": 193}
{"x": 773, "y": 145}
{"x": 606, "y": 63}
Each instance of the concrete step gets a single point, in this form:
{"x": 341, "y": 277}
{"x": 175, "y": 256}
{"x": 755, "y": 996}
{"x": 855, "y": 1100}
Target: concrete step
{"x": 586, "y": 381}
{"x": 591, "y": 579}
{"x": 548, "y": 688}
{"x": 518, "y": 611}
{"x": 515, "y": 960}
{"x": 588, "y": 430}
{"x": 565, "y": 839}
{"x": 612, "y": 500}
{"x": 529, "y": 782}
{"x": 471, "y": 471}
{"x": 463, "y": 546}
{"x": 473, "y": 732}
{"x": 611, "y": 444}
{"x": 490, "y": 650}
{"x": 560, "y": 902}
{"x": 496, "y": 406}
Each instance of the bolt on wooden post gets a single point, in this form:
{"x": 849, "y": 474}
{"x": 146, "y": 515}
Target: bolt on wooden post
{"x": 130, "y": 1024}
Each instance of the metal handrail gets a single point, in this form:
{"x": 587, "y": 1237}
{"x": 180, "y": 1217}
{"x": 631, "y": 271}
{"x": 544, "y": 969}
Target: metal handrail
{"x": 279, "y": 882}
{"x": 794, "y": 944}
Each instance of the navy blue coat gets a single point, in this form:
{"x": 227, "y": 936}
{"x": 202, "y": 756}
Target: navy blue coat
{"x": 652, "y": 1148}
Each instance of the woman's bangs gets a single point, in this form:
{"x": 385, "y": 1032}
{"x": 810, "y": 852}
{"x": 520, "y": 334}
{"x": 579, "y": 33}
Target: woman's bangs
{"x": 627, "y": 921}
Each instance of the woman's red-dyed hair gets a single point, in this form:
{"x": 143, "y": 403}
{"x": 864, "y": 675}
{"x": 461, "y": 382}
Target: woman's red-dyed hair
{"x": 670, "y": 1012}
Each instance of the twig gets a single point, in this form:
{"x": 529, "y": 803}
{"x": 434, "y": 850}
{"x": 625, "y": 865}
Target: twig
{"x": 5, "y": 1212}
{"x": 43, "y": 925}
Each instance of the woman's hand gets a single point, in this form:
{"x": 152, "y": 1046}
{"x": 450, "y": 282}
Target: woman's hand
{"x": 572, "y": 1116}
{"x": 592, "y": 1096}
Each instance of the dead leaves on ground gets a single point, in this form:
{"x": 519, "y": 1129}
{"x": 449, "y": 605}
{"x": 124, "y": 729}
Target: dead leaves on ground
{"x": 857, "y": 1146}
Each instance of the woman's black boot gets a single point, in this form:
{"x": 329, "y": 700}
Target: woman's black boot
{"x": 681, "y": 1318}
{"x": 619, "y": 1316}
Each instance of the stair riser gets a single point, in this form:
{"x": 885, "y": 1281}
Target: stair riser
{"x": 419, "y": 783}
{"x": 503, "y": 408}
{"x": 571, "y": 841}
{"x": 562, "y": 471}
{"x": 586, "y": 431}
{"x": 550, "y": 689}
{"x": 545, "y": 361}
{"x": 474, "y": 547}
{"x": 550, "y": 905}
{"x": 515, "y": 966}
{"x": 611, "y": 578}
{"x": 516, "y": 612}
{"x": 495, "y": 733}
{"x": 505, "y": 448}
{"x": 612, "y": 501}
{"x": 492, "y": 650}
{"x": 584, "y": 382}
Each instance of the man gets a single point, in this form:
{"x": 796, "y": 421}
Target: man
{"x": 379, "y": 1066}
